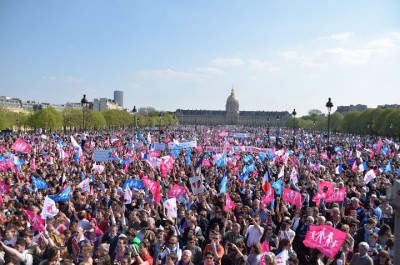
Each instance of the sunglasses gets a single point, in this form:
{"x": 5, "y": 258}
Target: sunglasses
{"x": 209, "y": 257}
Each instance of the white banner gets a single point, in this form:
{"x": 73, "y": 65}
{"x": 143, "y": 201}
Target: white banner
{"x": 190, "y": 144}
{"x": 100, "y": 155}
{"x": 197, "y": 186}
{"x": 250, "y": 149}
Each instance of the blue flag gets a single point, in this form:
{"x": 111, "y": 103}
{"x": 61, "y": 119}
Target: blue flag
{"x": 65, "y": 195}
{"x": 271, "y": 155}
{"x": 39, "y": 183}
{"x": 133, "y": 184}
{"x": 82, "y": 175}
{"x": 388, "y": 167}
{"x": 261, "y": 155}
{"x": 398, "y": 173}
{"x": 244, "y": 177}
{"x": 188, "y": 158}
{"x": 221, "y": 161}
{"x": 223, "y": 184}
{"x": 278, "y": 186}
{"x": 248, "y": 159}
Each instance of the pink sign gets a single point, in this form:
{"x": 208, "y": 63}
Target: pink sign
{"x": 229, "y": 204}
{"x": 337, "y": 195}
{"x": 318, "y": 196}
{"x": 21, "y": 146}
{"x": 154, "y": 187}
{"x": 4, "y": 188}
{"x": 325, "y": 186}
{"x": 292, "y": 197}
{"x": 166, "y": 164}
{"x": 269, "y": 197}
{"x": 176, "y": 191}
{"x": 35, "y": 220}
{"x": 327, "y": 239}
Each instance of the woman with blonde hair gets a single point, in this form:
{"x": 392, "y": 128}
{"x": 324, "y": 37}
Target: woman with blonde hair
{"x": 255, "y": 254}
{"x": 270, "y": 259}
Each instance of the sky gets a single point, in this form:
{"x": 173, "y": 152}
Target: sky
{"x": 278, "y": 55}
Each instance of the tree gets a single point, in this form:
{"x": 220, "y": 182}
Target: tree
{"x": 315, "y": 112}
{"x": 118, "y": 118}
{"x": 48, "y": 118}
{"x": 349, "y": 124}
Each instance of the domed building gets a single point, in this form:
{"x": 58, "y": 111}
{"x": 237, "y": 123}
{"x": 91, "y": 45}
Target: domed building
{"x": 231, "y": 115}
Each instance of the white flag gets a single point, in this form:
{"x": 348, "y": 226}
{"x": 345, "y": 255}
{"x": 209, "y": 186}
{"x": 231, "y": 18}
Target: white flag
{"x": 281, "y": 258}
{"x": 128, "y": 196}
{"x": 148, "y": 138}
{"x": 282, "y": 172}
{"x": 170, "y": 205}
{"x": 84, "y": 185}
{"x": 99, "y": 168}
{"x": 370, "y": 175}
{"x": 49, "y": 208}
{"x": 293, "y": 176}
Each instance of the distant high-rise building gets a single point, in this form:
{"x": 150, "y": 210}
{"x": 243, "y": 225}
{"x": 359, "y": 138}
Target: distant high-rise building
{"x": 119, "y": 97}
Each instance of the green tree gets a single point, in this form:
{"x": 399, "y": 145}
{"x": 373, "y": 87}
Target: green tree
{"x": 118, "y": 118}
{"x": 48, "y": 118}
{"x": 349, "y": 124}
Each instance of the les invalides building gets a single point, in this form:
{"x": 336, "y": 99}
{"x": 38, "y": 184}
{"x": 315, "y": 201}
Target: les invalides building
{"x": 232, "y": 116}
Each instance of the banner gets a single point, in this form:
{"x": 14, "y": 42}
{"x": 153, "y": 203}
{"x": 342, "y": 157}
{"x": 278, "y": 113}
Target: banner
{"x": 159, "y": 146}
{"x": 177, "y": 191}
{"x": 49, "y": 208}
{"x": 100, "y": 155}
{"x": 325, "y": 238}
{"x": 269, "y": 197}
{"x": 84, "y": 185}
{"x": 21, "y": 146}
{"x": 166, "y": 164}
{"x": 190, "y": 144}
{"x": 197, "y": 185}
{"x": 237, "y": 149}
{"x": 292, "y": 197}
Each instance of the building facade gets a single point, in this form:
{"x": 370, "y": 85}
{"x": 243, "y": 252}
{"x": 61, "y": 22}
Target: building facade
{"x": 119, "y": 98}
{"x": 346, "y": 109}
{"x": 103, "y": 104}
{"x": 232, "y": 116}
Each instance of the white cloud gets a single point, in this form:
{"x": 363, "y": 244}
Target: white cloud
{"x": 228, "y": 62}
{"x": 262, "y": 66}
{"x": 210, "y": 71}
{"x": 73, "y": 80}
{"x": 169, "y": 74}
{"x": 49, "y": 78}
{"x": 303, "y": 59}
{"x": 339, "y": 36}
{"x": 381, "y": 46}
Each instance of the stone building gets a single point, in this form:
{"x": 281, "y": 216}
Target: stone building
{"x": 232, "y": 115}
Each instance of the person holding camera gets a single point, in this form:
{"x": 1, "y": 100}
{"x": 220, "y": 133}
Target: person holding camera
{"x": 215, "y": 247}
{"x": 235, "y": 254}
{"x": 253, "y": 230}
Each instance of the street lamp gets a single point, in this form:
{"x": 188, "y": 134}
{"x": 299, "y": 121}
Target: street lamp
{"x": 391, "y": 127}
{"x": 84, "y": 104}
{"x": 329, "y": 106}
{"x": 294, "y": 128}
{"x": 277, "y": 120}
{"x": 159, "y": 132}
{"x": 314, "y": 126}
{"x": 134, "y": 113}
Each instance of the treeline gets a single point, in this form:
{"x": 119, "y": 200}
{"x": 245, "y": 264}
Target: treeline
{"x": 385, "y": 122}
{"x": 72, "y": 119}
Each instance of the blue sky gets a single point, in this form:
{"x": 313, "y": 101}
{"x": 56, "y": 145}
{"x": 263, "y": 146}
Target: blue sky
{"x": 278, "y": 55}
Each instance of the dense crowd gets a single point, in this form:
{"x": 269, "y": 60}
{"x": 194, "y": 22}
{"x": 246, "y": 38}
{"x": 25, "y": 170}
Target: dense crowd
{"x": 116, "y": 211}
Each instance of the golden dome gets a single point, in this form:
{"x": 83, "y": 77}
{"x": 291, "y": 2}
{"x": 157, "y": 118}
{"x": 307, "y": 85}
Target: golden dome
{"x": 232, "y": 103}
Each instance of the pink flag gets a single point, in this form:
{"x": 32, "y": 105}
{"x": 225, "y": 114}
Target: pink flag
{"x": 176, "y": 191}
{"x": 354, "y": 167}
{"x": 337, "y": 195}
{"x": 292, "y": 197}
{"x": 33, "y": 164}
{"x": 21, "y": 146}
{"x": 206, "y": 163}
{"x": 229, "y": 204}
{"x": 199, "y": 148}
{"x": 318, "y": 196}
{"x": 326, "y": 186}
{"x": 324, "y": 156}
{"x": 35, "y": 220}
{"x": 1, "y": 200}
{"x": 269, "y": 197}
{"x": 222, "y": 134}
{"x": 4, "y": 188}
{"x": 126, "y": 169}
{"x": 154, "y": 187}
{"x": 378, "y": 145}
{"x": 264, "y": 247}
{"x": 4, "y": 166}
{"x": 166, "y": 164}
{"x": 327, "y": 239}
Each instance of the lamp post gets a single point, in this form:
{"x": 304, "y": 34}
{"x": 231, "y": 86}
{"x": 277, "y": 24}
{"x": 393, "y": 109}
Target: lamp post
{"x": 277, "y": 120}
{"x": 84, "y": 104}
{"x": 159, "y": 131}
{"x": 329, "y": 106}
{"x": 391, "y": 129}
{"x": 294, "y": 128}
{"x": 314, "y": 126}
{"x": 134, "y": 114}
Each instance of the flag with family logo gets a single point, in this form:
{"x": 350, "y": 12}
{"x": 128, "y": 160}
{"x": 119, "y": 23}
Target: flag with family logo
{"x": 49, "y": 208}
{"x": 326, "y": 239}
{"x": 369, "y": 176}
{"x": 133, "y": 184}
{"x": 65, "y": 195}
{"x": 337, "y": 195}
{"x": 177, "y": 191}
{"x": 35, "y": 220}
{"x": 269, "y": 196}
{"x": 229, "y": 204}
{"x": 84, "y": 185}
{"x": 154, "y": 187}
{"x": 39, "y": 183}
{"x": 4, "y": 188}
{"x": 292, "y": 197}
{"x": 128, "y": 196}
{"x": 21, "y": 146}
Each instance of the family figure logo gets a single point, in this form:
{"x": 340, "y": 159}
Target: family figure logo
{"x": 325, "y": 238}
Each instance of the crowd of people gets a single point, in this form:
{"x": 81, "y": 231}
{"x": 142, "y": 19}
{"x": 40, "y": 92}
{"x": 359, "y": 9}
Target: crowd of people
{"x": 225, "y": 220}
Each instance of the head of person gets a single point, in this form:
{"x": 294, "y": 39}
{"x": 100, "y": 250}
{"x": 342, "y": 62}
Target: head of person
{"x": 171, "y": 259}
{"x": 192, "y": 240}
{"x": 20, "y": 245}
{"x": 186, "y": 256}
{"x": 256, "y": 248}
{"x": 270, "y": 258}
{"x": 144, "y": 247}
{"x": 236, "y": 228}
{"x": 78, "y": 233}
{"x": 113, "y": 230}
{"x": 122, "y": 243}
{"x": 384, "y": 256}
{"x": 208, "y": 258}
{"x": 284, "y": 244}
{"x": 293, "y": 261}
{"x": 173, "y": 242}
{"x": 53, "y": 254}
{"x": 363, "y": 248}
{"x": 104, "y": 248}
{"x": 28, "y": 236}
